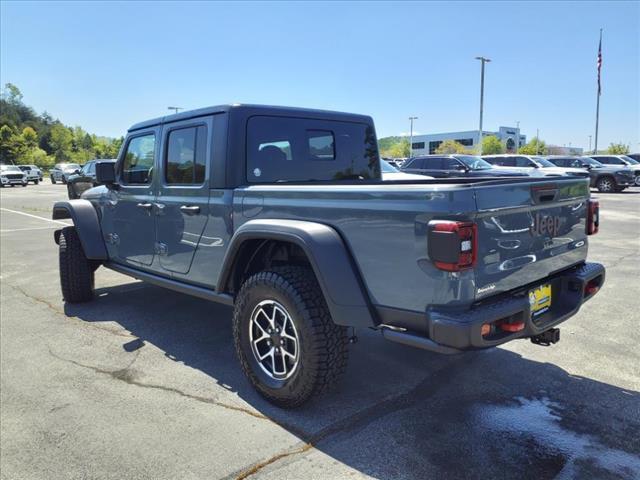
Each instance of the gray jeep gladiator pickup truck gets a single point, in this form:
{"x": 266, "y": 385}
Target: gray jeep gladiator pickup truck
{"x": 281, "y": 212}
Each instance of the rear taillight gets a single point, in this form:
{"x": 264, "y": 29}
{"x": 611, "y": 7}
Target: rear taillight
{"x": 593, "y": 217}
{"x": 453, "y": 246}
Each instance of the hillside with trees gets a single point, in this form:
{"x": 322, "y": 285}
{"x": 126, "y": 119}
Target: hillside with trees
{"x": 27, "y": 137}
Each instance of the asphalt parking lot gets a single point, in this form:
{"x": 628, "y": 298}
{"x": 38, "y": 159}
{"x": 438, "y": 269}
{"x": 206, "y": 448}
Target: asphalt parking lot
{"x": 144, "y": 383}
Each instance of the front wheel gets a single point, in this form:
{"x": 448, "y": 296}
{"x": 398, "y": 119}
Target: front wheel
{"x": 36, "y": 182}
{"x": 53, "y": 180}
{"x": 606, "y": 185}
{"x": 76, "y": 270}
{"x": 288, "y": 346}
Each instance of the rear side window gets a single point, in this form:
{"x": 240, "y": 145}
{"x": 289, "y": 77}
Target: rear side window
{"x": 298, "y": 149}
{"x": 433, "y": 163}
{"x": 138, "y": 160}
{"x": 185, "y": 156}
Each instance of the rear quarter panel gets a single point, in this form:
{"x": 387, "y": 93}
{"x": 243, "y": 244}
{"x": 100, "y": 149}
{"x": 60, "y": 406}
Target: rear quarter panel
{"x": 385, "y": 229}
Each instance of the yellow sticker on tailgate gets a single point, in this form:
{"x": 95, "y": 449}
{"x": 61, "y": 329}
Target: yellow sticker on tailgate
{"x": 540, "y": 299}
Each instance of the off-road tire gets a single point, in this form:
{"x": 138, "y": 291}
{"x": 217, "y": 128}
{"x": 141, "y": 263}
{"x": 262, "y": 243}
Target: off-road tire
{"x": 76, "y": 271}
{"x": 606, "y": 185}
{"x": 323, "y": 344}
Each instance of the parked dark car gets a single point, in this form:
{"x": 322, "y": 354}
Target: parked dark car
{"x": 634, "y": 156}
{"x": 455, "y": 165}
{"x": 621, "y": 161}
{"x": 606, "y": 178}
{"x": 84, "y": 179}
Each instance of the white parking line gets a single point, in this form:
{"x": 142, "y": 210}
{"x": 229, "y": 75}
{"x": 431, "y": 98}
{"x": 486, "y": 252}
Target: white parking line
{"x": 35, "y": 216}
{"x": 26, "y": 229}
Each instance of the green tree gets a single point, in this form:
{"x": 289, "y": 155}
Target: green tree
{"x": 12, "y": 93}
{"x": 399, "y": 149}
{"x": 61, "y": 142}
{"x": 7, "y": 144}
{"x": 30, "y": 138}
{"x": 451, "y": 146}
{"x": 534, "y": 147}
{"x": 491, "y": 145}
{"x": 618, "y": 149}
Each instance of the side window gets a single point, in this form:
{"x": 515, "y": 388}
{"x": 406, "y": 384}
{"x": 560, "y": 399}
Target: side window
{"x": 138, "y": 160}
{"x": 449, "y": 163}
{"x": 321, "y": 144}
{"x": 281, "y": 149}
{"x": 185, "y": 157}
{"x": 576, "y": 163}
{"x": 433, "y": 163}
{"x": 522, "y": 162}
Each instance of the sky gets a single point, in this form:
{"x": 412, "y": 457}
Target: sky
{"x": 105, "y": 66}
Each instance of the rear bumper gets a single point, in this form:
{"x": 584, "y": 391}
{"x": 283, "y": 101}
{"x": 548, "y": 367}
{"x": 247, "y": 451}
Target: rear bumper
{"x": 452, "y": 331}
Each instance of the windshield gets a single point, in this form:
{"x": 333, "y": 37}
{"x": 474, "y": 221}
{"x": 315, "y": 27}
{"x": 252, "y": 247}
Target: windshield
{"x": 474, "y": 163}
{"x": 591, "y": 161}
{"x": 543, "y": 162}
{"x": 10, "y": 168}
{"x": 70, "y": 166}
{"x": 386, "y": 167}
{"x": 629, "y": 160}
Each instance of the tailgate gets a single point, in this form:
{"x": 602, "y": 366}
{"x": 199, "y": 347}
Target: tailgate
{"x": 528, "y": 231}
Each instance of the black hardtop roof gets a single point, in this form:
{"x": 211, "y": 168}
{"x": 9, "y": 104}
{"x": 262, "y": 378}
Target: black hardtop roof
{"x": 249, "y": 109}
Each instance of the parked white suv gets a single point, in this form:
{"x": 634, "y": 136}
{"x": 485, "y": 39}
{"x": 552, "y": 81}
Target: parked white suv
{"x": 34, "y": 174}
{"x": 11, "y": 175}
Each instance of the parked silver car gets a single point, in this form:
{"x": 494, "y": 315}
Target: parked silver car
{"x": 62, "y": 171}
{"x": 34, "y": 174}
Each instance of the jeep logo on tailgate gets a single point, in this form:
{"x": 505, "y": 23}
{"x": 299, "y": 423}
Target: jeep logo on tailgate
{"x": 545, "y": 225}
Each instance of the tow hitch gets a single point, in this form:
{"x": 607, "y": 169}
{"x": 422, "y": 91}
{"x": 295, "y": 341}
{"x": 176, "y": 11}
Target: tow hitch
{"x": 547, "y": 338}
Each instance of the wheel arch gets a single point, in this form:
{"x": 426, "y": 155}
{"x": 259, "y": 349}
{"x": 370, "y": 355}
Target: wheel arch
{"x": 323, "y": 249}
{"x": 85, "y": 219}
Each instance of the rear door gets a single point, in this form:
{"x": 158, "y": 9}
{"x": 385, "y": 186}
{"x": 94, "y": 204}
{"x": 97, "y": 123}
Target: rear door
{"x": 183, "y": 195}
{"x": 529, "y": 230}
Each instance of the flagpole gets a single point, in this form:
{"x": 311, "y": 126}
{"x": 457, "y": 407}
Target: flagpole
{"x": 595, "y": 146}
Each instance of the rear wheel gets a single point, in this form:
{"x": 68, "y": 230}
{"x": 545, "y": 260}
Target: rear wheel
{"x": 288, "y": 346}
{"x": 636, "y": 181}
{"x": 53, "y": 180}
{"x": 76, "y": 271}
{"x": 606, "y": 185}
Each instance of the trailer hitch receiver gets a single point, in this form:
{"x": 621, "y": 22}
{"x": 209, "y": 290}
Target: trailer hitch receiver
{"x": 547, "y": 338}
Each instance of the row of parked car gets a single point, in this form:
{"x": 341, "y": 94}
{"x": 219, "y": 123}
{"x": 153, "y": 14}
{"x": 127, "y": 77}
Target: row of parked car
{"x": 14, "y": 175}
{"x": 608, "y": 173}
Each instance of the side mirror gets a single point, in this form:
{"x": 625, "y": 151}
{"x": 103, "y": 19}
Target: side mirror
{"x": 105, "y": 173}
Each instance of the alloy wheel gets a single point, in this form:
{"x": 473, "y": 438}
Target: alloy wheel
{"x": 274, "y": 340}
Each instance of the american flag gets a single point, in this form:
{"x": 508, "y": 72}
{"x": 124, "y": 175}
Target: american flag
{"x": 599, "y": 62}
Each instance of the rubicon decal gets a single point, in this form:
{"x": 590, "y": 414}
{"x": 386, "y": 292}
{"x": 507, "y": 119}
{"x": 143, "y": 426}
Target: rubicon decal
{"x": 545, "y": 225}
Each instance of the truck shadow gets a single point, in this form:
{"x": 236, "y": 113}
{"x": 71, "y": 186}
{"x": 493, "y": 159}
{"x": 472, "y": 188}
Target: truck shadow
{"x": 403, "y": 413}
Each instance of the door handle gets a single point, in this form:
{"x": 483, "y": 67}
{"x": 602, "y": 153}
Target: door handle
{"x": 190, "y": 209}
{"x": 146, "y": 206}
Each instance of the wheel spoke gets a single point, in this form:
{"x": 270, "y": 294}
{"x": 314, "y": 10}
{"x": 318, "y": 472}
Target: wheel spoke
{"x": 269, "y": 353}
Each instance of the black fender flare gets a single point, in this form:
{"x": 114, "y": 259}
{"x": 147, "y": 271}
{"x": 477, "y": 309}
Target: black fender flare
{"x": 85, "y": 219}
{"x": 329, "y": 257}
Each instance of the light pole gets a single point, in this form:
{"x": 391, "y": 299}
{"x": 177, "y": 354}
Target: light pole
{"x": 589, "y": 142}
{"x": 537, "y": 141}
{"x": 175, "y": 109}
{"x": 517, "y": 135}
{"x": 411, "y": 119}
{"x": 483, "y": 60}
